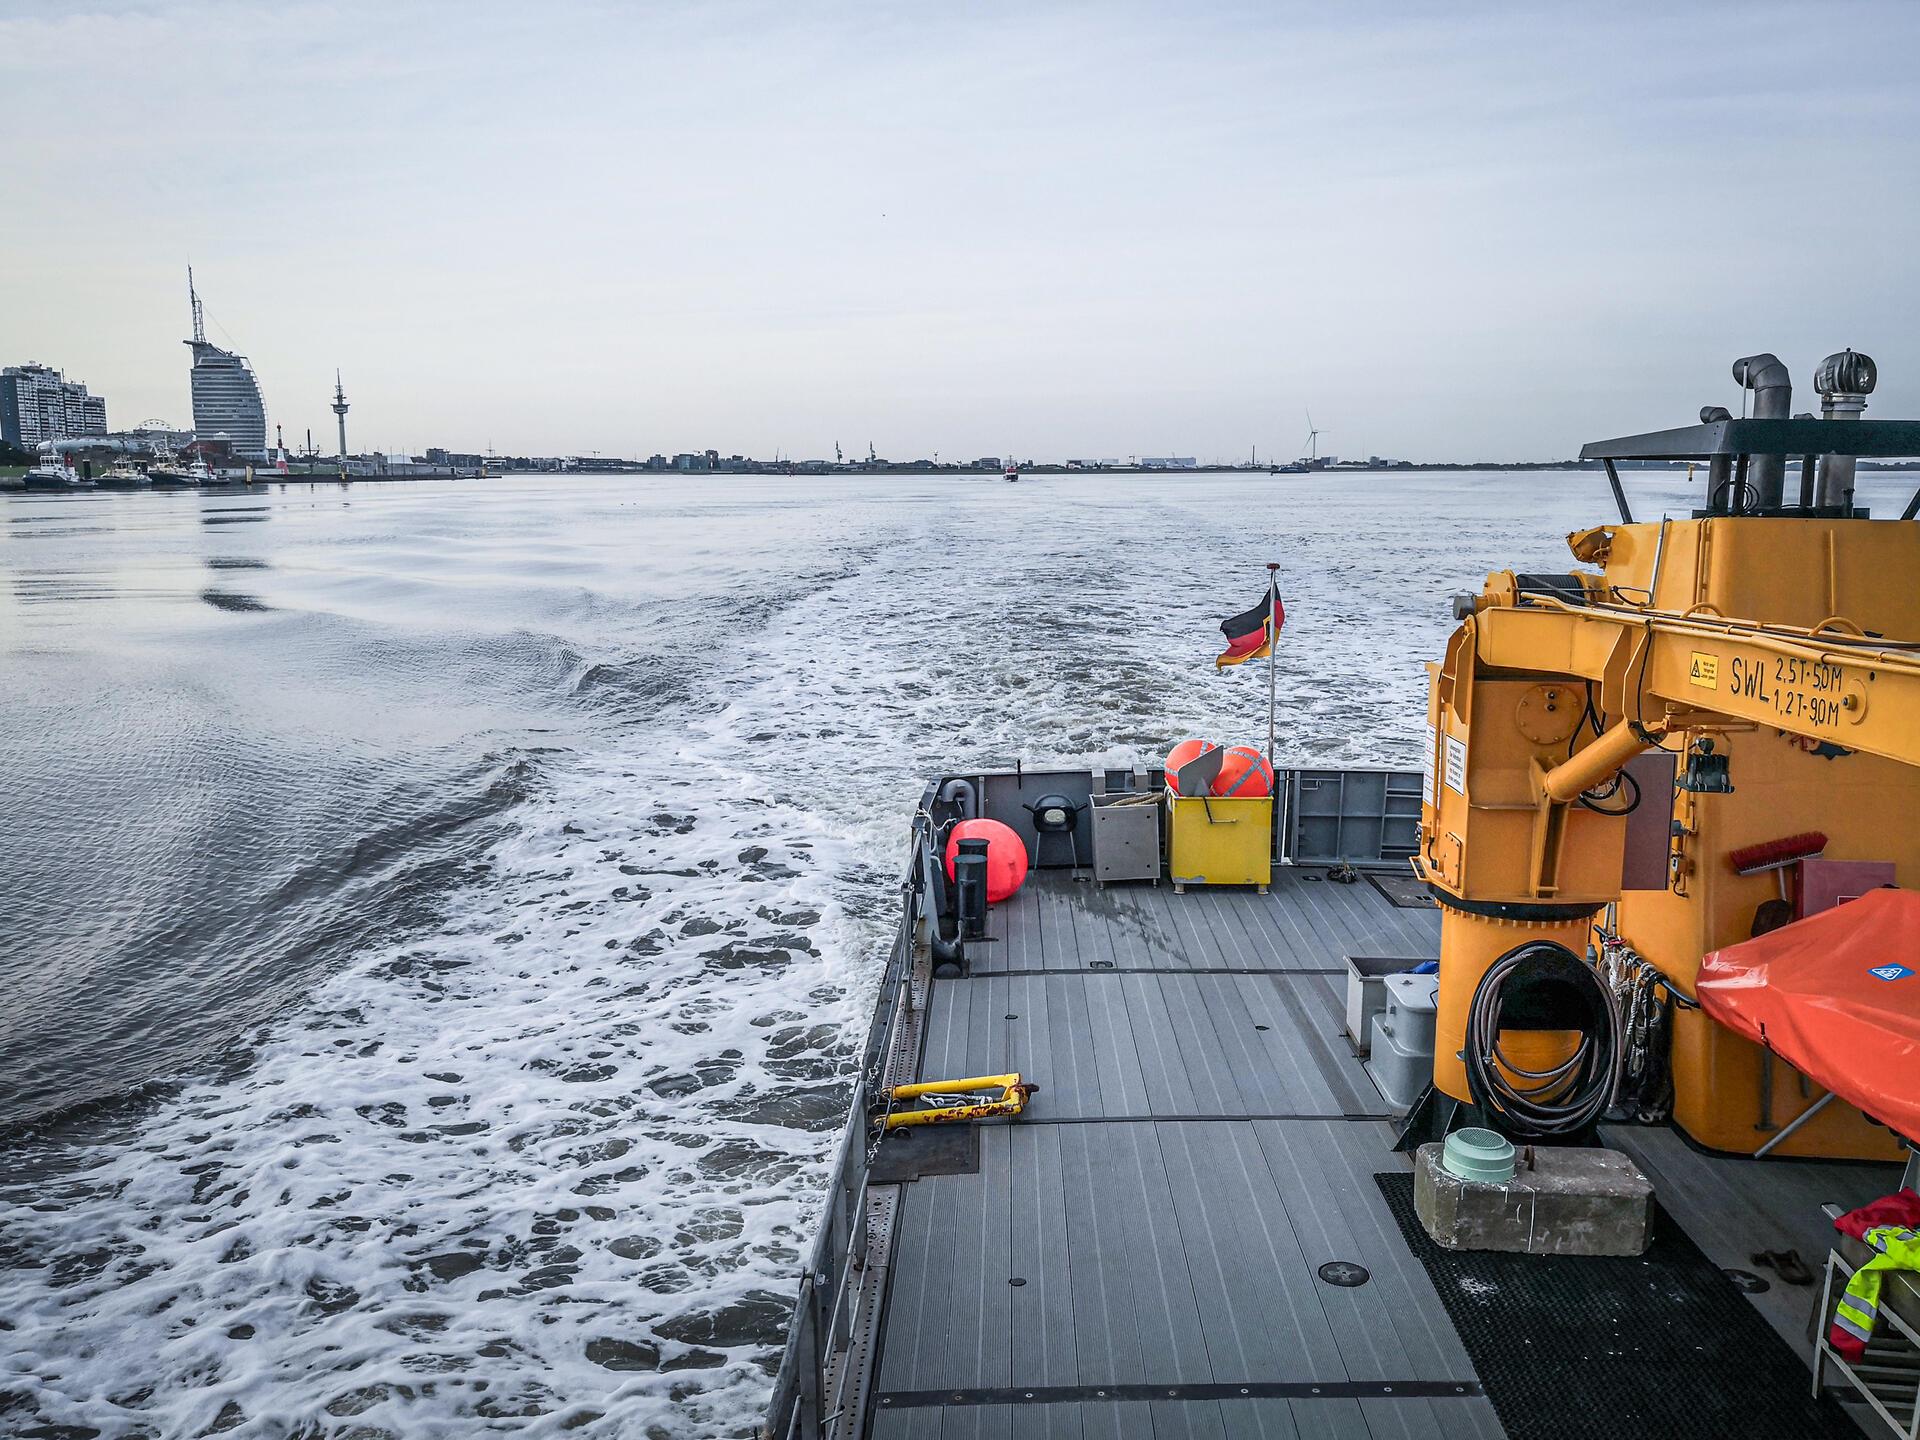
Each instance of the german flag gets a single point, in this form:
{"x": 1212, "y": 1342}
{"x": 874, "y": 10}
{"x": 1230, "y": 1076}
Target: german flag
{"x": 1250, "y": 634}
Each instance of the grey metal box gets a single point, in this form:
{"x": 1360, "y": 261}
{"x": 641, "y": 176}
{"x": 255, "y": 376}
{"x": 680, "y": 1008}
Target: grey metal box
{"x": 1367, "y": 993}
{"x": 1126, "y": 837}
{"x": 1400, "y": 1057}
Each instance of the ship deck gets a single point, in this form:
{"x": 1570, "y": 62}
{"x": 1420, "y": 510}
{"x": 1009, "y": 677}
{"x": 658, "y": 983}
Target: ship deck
{"x": 1137, "y": 1255}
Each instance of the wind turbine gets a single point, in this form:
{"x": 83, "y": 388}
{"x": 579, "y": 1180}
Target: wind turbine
{"x": 1313, "y": 439}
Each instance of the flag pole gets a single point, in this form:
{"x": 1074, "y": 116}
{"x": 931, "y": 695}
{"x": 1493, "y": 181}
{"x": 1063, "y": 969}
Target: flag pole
{"x": 1273, "y": 649}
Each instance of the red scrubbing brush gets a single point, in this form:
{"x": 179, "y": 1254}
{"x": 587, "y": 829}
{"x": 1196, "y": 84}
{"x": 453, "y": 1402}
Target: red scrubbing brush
{"x": 1777, "y": 855}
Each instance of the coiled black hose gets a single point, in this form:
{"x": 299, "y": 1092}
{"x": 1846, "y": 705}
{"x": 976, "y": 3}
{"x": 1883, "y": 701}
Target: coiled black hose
{"x": 1565, "y": 1098}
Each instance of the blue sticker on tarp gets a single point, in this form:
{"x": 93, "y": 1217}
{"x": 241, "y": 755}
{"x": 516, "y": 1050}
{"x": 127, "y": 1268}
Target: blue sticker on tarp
{"x": 1890, "y": 972}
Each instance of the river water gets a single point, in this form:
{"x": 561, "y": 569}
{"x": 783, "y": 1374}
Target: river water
{"x": 438, "y": 917}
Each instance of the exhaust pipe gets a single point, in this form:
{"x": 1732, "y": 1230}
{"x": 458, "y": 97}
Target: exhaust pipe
{"x": 1772, "y": 400}
{"x": 1844, "y": 381}
{"x": 961, "y": 793}
{"x": 1719, "y": 467}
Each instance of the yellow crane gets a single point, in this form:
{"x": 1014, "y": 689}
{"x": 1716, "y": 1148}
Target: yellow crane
{"x": 1603, "y": 741}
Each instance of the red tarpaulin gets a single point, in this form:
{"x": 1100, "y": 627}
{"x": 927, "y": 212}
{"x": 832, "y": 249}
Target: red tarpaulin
{"x": 1837, "y": 996}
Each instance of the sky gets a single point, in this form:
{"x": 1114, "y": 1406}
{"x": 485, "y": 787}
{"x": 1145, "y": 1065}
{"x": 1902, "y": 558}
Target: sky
{"x": 1451, "y": 231}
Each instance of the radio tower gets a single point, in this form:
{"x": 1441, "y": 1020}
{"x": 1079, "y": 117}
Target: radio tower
{"x": 340, "y": 410}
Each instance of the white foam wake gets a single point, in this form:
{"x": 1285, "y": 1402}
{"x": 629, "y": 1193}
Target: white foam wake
{"x": 553, "y": 1167}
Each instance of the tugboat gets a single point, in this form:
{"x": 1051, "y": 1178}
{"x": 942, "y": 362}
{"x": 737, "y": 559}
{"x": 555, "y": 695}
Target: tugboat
{"x": 167, "y": 472}
{"x": 1013, "y": 471}
{"x": 124, "y": 475}
{"x": 1449, "y": 1102}
{"x": 53, "y": 472}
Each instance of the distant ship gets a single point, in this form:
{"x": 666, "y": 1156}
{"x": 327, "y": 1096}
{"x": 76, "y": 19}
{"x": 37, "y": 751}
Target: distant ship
{"x": 1013, "y": 471}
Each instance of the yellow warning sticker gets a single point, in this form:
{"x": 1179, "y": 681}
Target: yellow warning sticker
{"x": 1704, "y": 670}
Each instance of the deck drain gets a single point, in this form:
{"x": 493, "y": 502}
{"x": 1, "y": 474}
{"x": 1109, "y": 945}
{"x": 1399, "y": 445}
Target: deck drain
{"x": 1260, "y": 1027}
{"x": 1018, "y": 1280}
{"x": 1345, "y": 1274}
{"x": 1746, "y": 1281}
{"x": 1100, "y": 964}
{"x": 1013, "y": 1017}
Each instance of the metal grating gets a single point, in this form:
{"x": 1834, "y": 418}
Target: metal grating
{"x": 856, "y": 1362}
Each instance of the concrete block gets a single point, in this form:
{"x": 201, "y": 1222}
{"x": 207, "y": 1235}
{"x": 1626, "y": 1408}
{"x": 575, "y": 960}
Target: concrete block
{"x": 1571, "y": 1202}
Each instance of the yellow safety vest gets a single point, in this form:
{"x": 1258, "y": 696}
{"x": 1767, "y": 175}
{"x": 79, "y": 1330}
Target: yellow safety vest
{"x": 1897, "y": 1249}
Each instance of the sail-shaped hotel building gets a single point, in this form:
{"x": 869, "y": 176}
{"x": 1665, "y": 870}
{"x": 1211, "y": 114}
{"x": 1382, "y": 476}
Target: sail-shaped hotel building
{"x": 226, "y": 395}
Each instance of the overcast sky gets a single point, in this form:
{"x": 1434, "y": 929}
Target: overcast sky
{"x": 1454, "y": 231}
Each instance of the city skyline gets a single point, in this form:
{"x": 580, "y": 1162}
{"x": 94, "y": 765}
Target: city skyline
{"x": 1051, "y": 230}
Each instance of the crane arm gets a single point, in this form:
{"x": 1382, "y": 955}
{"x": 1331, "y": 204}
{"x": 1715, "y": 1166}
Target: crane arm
{"x": 1830, "y": 683}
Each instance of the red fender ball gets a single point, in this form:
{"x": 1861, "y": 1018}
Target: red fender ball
{"x": 1006, "y": 855}
{"x": 1181, "y": 754}
{"x": 1243, "y": 771}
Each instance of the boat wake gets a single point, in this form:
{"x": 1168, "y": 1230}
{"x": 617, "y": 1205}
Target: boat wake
{"x": 551, "y": 1164}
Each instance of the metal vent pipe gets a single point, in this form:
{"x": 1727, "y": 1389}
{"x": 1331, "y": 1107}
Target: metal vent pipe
{"x": 1719, "y": 467}
{"x": 1772, "y": 400}
{"x": 1844, "y": 381}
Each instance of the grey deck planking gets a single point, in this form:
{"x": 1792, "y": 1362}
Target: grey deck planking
{"x": 1169, "y": 1251}
{"x": 1257, "y": 1419}
{"x": 1164, "y": 1253}
{"x": 1160, "y": 1044}
{"x": 1306, "y": 922}
{"x": 1182, "y": 1043}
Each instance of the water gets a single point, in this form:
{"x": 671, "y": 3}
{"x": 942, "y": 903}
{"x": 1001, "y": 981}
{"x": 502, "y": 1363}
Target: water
{"x": 439, "y": 916}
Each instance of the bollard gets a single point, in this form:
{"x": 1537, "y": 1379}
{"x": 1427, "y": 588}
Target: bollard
{"x": 970, "y": 888}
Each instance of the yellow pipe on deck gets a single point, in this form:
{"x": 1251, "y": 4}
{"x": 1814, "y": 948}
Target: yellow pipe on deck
{"x": 1013, "y": 1099}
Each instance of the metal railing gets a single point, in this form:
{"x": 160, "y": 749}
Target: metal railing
{"x": 808, "y": 1394}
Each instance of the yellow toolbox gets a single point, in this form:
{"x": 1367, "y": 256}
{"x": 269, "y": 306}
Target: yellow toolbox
{"x": 1220, "y": 841}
